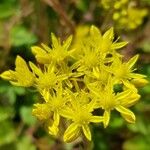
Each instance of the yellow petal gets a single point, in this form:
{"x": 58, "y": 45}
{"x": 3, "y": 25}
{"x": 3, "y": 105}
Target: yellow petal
{"x": 129, "y": 99}
{"x": 46, "y": 48}
{"x": 16, "y": 83}
{"x": 67, "y": 113}
{"x": 123, "y": 95}
{"x": 67, "y": 43}
{"x": 109, "y": 34}
{"x": 23, "y": 75}
{"x": 132, "y": 61}
{"x": 72, "y": 133}
{"x": 56, "y": 118}
{"x": 37, "y": 50}
{"x": 53, "y": 130}
{"x": 86, "y": 131}
{"x": 128, "y": 86}
{"x": 118, "y": 45}
{"x": 96, "y": 119}
{"x": 44, "y": 59}
{"x": 91, "y": 106}
{"x": 41, "y": 111}
{"x": 137, "y": 75}
{"x": 21, "y": 65}
{"x": 94, "y": 31}
{"x": 55, "y": 41}
{"x": 106, "y": 118}
{"x": 68, "y": 83}
{"x": 35, "y": 69}
{"x": 126, "y": 114}
{"x": 139, "y": 82}
{"x": 6, "y": 75}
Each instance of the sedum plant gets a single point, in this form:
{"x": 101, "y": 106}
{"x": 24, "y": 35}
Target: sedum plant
{"x": 125, "y": 13}
{"x": 76, "y": 79}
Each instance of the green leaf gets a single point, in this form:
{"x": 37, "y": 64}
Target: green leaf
{"x": 146, "y": 46}
{"x": 7, "y": 133}
{"x": 137, "y": 143}
{"x": 146, "y": 2}
{"x": 139, "y": 127}
{"x": 83, "y": 5}
{"x": 25, "y": 143}
{"x": 5, "y": 113}
{"x": 11, "y": 95}
{"x": 6, "y": 10}
{"x": 19, "y": 90}
{"x": 26, "y": 115}
{"x": 116, "y": 122}
{"x": 19, "y": 35}
{"x": 10, "y": 91}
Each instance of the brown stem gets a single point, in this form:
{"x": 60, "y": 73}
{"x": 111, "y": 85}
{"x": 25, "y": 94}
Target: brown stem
{"x": 56, "y": 5}
{"x": 87, "y": 145}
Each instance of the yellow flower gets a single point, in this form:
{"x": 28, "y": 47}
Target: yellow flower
{"x": 124, "y": 13}
{"x": 41, "y": 111}
{"x": 56, "y": 54}
{"x": 81, "y": 116}
{"x": 76, "y": 84}
{"x": 123, "y": 71}
{"x": 104, "y": 43}
{"x": 72, "y": 75}
{"x": 51, "y": 108}
{"x": 99, "y": 75}
{"x": 87, "y": 61}
{"x": 48, "y": 78}
{"x": 95, "y": 48}
{"x": 108, "y": 100}
{"x": 135, "y": 17}
{"x": 22, "y": 76}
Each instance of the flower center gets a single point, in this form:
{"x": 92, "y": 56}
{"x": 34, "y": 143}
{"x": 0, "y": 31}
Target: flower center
{"x": 82, "y": 116}
{"x": 108, "y": 101}
{"x": 47, "y": 81}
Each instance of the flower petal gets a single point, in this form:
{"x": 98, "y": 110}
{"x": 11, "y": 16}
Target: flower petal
{"x": 6, "y": 75}
{"x": 139, "y": 82}
{"x": 55, "y": 41}
{"x": 53, "y": 130}
{"x": 132, "y": 61}
{"x": 129, "y": 100}
{"x": 56, "y": 118}
{"x": 126, "y": 114}
{"x": 86, "y": 131}
{"x": 109, "y": 34}
{"x": 118, "y": 45}
{"x": 137, "y": 75}
{"x": 94, "y": 31}
{"x": 37, "y": 50}
{"x": 67, "y": 43}
{"x": 35, "y": 69}
{"x": 106, "y": 118}
{"x": 67, "y": 113}
{"x": 96, "y": 119}
{"x": 72, "y": 132}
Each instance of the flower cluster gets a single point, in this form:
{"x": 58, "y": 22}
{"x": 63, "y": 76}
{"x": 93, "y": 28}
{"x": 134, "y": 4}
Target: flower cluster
{"x": 77, "y": 78}
{"x": 125, "y": 13}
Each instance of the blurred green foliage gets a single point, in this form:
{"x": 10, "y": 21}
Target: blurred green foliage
{"x": 24, "y": 23}
{"x": 19, "y": 35}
